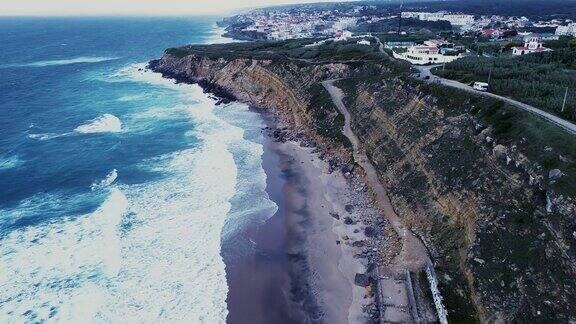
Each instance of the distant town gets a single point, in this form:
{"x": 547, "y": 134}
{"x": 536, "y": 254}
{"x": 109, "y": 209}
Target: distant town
{"x": 419, "y": 37}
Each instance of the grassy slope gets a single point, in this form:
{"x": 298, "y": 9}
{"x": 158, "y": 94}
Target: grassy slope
{"x": 537, "y": 79}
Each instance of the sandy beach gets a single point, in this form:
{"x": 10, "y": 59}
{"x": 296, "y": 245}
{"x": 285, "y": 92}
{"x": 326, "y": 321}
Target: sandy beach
{"x": 310, "y": 253}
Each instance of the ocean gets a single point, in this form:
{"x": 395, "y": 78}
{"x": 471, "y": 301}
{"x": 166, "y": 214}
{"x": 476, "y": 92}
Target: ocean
{"x": 118, "y": 188}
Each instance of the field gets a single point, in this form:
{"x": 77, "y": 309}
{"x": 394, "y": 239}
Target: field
{"x": 539, "y": 79}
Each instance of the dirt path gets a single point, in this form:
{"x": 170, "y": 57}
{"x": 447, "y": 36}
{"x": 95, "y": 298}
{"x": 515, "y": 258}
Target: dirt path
{"x": 414, "y": 255}
{"x": 395, "y": 291}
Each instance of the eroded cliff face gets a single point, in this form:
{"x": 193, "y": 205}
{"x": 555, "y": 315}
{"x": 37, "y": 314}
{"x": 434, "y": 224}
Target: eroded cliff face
{"x": 501, "y": 239}
{"x": 292, "y": 90}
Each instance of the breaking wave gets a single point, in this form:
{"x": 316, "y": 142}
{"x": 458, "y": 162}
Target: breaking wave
{"x": 152, "y": 251}
{"x": 76, "y": 60}
{"x": 102, "y": 124}
{"x": 107, "y": 181}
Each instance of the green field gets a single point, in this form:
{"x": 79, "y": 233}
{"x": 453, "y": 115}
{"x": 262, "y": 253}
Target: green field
{"x": 539, "y": 79}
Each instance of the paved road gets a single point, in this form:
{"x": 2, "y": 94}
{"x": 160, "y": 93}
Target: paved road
{"x": 425, "y": 71}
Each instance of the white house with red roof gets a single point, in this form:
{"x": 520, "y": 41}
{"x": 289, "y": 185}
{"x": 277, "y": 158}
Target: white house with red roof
{"x": 531, "y": 45}
{"x": 429, "y": 53}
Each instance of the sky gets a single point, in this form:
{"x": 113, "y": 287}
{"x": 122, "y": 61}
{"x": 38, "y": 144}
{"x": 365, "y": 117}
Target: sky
{"x": 132, "y": 7}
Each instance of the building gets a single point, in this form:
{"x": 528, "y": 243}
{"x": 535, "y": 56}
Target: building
{"x": 569, "y": 30}
{"x": 429, "y": 53}
{"x": 492, "y": 32}
{"x": 454, "y": 19}
{"x": 392, "y": 45}
{"x": 531, "y": 45}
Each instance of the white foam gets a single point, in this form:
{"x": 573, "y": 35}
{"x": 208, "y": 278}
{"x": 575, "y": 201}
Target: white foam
{"x": 46, "y": 136}
{"x": 75, "y": 60}
{"x": 102, "y": 124}
{"x": 107, "y": 181}
{"x": 151, "y": 252}
{"x": 133, "y": 97}
{"x": 10, "y": 162}
{"x": 56, "y": 268}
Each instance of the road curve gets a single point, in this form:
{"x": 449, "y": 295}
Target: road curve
{"x": 425, "y": 71}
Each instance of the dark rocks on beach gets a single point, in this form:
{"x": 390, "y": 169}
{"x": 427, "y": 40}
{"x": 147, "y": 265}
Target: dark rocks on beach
{"x": 369, "y": 231}
{"x": 332, "y": 165}
{"x": 348, "y": 168}
{"x": 279, "y": 135}
{"x": 349, "y": 208}
{"x": 348, "y": 221}
{"x": 362, "y": 280}
{"x": 371, "y": 266}
{"x": 335, "y": 215}
{"x": 358, "y": 243}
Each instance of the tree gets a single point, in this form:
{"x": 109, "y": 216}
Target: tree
{"x": 572, "y": 42}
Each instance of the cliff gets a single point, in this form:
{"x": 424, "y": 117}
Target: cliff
{"x": 464, "y": 173}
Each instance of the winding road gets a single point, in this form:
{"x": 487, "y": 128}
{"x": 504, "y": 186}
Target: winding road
{"x": 426, "y": 74}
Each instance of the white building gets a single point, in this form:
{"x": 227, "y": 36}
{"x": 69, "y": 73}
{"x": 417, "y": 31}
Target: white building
{"x": 569, "y": 30}
{"x": 421, "y": 55}
{"x": 454, "y": 19}
{"x": 531, "y": 45}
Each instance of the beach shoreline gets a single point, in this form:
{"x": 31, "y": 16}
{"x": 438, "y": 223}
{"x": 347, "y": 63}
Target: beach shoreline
{"x": 310, "y": 255}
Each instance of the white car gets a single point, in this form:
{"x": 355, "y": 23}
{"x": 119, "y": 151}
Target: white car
{"x": 480, "y": 86}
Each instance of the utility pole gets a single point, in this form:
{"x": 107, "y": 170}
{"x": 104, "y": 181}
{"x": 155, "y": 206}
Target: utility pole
{"x": 443, "y": 66}
{"x": 400, "y": 18}
{"x": 489, "y": 75}
{"x": 565, "y": 96}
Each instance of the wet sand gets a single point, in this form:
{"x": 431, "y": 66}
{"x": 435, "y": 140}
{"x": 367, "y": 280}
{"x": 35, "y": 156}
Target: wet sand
{"x": 304, "y": 266}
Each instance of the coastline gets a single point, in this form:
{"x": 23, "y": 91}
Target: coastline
{"x": 311, "y": 257}
{"x": 315, "y": 260}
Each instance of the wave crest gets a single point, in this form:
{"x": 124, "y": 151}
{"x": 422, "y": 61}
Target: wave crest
{"x": 102, "y": 124}
{"x": 107, "y": 181}
{"x": 76, "y": 60}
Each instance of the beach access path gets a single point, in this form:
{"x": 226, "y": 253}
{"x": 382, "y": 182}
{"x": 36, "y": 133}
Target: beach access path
{"x": 393, "y": 283}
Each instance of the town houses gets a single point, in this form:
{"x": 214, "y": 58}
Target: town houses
{"x": 569, "y": 30}
{"x": 456, "y": 19}
{"x": 435, "y": 51}
{"x": 532, "y": 44}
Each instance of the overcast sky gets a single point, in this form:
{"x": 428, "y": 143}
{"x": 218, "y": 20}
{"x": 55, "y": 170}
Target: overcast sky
{"x": 131, "y": 7}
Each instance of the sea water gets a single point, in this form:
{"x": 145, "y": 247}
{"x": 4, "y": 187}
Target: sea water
{"x": 116, "y": 185}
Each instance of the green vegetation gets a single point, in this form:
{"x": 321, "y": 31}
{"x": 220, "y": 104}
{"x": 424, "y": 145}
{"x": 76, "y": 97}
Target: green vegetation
{"x": 328, "y": 121}
{"x": 295, "y": 50}
{"x": 541, "y": 141}
{"x": 538, "y": 79}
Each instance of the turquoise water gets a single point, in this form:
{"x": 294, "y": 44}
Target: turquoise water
{"x": 116, "y": 184}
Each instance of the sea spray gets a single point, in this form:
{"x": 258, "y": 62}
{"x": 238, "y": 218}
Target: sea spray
{"x": 107, "y": 181}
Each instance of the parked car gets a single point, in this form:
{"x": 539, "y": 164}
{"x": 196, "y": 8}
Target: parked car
{"x": 480, "y": 86}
